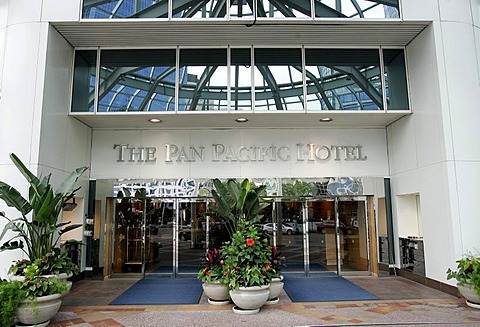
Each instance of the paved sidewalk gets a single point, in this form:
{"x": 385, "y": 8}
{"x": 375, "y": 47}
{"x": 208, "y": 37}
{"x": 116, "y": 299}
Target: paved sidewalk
{"x": 403, "y": 303}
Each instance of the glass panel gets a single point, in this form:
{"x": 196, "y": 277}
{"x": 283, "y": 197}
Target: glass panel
{"x": 125, "y": 9}
{"x": 203, "y": 86}
{"x": 191, "y": 236}
{"x": 357, "y": 8}
{"x": 288, "y": 9}
{"x": 128, "y": 234}
{"x": 290, "y": 235}
{"x": 343, "y": 79}
{"x": 353, "y": 235}
{"x": 241, "y": 9}
{"x": 137, "y": 80}
{"x": 241, "y": 79}
{"x": 199, "y": 9}
{"x": 395, "y": 79}
{"x": 84, "y": 81}
{"x": 278, "y": 80}
{"x": 322, "y": 236}
{"x": 159, "y": 242}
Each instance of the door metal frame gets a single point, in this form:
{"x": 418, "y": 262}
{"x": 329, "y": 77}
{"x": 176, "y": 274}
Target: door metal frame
{"x": 305, "y": 230}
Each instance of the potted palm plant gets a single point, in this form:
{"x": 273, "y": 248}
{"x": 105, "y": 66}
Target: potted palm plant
{"x": 39, "y": 235}
{"x": 247, "y": 266}
{"x": 467, "y": 275}
{"x": 235, "y": 201}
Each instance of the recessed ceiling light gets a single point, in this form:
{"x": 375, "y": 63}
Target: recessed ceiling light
{"x": 241, "y": 120}
{"x": 155, "y": 120}
{"x": 326, "y": 120}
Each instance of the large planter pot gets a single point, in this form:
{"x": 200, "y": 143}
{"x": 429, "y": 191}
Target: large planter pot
{"x": 39, "y": 310}
{"x": 217, "y": 292}
{"x": 248, "y": 300}
{"x": 468, "y": 292}
{"x": 276, "y": 286}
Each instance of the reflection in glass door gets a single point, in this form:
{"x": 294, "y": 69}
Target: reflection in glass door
{"x": 290, "y": 239}
{"x": 322, "y": 238}
{"x": 140, "y": 237}
{"x": 169, "y": 236}
{"x": 192, "y": 231}
{"x": 337, "y": 235}
{"x": 353, "y": 234}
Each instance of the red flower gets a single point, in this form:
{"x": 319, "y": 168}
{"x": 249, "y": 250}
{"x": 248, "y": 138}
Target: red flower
{"x": 222, "y": 262}
{"x": 237, "y": 267}
{"x": 267, "y": 268}
{"x": 225, "y": 273}
{"x": 250, "y": 242}
{"x": 24, "y": 261}
{"x": 207, "y": 272}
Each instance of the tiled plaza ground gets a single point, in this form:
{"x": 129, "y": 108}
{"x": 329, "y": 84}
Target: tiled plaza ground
{"x": 402, "y": 303}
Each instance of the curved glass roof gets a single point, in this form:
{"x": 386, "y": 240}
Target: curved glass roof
{"x": 240, "y": 9}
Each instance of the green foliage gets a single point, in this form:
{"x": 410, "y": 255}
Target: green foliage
{"x": 215, "y": 269}
{"x": 298, "y": 188}
{"x": 37, "y": 236}
{"x": 10, "y": 297}
{"x": 247, "y": 257}
{"x": 235, "y": 201}
{"x": 53, "y": 263}
{"x": 467, "y": 272}
{"x": 36, "y": 286}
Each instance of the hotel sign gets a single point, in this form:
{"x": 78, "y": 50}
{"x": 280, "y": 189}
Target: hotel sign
{"x": 218, "y": 152}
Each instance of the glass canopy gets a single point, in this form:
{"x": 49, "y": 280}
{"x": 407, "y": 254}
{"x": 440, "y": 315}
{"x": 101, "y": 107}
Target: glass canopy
{"x": 239, "y": 79}
{"x": 240, "y": 9}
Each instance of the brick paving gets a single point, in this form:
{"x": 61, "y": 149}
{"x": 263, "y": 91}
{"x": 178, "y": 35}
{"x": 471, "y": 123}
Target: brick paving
{"x": 402, "y": 303}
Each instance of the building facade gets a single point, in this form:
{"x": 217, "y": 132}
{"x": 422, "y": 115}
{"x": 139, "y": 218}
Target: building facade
{"x": 359, "y": 115}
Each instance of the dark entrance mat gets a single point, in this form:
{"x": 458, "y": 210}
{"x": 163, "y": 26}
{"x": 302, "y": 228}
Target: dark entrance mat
{"x": 324, "y": 289}
{"x": 162, "y": 291}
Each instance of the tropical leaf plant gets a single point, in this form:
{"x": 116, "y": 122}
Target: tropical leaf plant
{"x": 38, "y": 234}
{"x": 236, "y": 201}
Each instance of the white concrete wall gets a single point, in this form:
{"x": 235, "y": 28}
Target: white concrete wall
{"x": 435, "y": 151}
{"x": 35, "y": 78}
{"x": 22, "y": 39}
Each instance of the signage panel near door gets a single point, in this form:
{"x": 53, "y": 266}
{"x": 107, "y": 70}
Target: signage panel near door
{"x": 244, "y": 153}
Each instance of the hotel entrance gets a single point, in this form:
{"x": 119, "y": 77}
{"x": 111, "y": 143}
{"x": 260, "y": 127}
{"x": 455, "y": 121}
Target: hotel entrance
{"x": 168, "y": 237}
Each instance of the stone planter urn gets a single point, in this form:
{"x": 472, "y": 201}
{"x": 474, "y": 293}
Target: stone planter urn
{"x": 249, "y": 300}
{"x": 38, "y": 310}
{"x": 217, "y": 292}
{"x": 468, "y": 292}
{"x": 276, "y": 286}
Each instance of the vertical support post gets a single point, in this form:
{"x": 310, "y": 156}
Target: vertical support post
{"x": 92, "y": 190}
{"x": 389, "y": 213}
{"x": 306, "y": 250}
{"x": 337, "y": 237}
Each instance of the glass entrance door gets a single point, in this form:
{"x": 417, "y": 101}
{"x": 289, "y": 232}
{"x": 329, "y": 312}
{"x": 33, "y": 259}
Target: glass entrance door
{"x": 337, "y": 235}
{"x": 322, "y": 238}
{"x": 192, "y": 230}
{"x": 353, "y": 234}
{"x": 169, "y": 236}
{"x": 290, "y": 238}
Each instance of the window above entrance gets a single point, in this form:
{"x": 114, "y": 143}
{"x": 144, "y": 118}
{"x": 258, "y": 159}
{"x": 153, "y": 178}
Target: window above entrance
{"x": 234, "y": 9}
{"x": 239, "y": 80}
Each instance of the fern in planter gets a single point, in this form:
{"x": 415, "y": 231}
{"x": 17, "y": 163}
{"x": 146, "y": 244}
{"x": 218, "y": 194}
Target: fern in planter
{"x": 10, "y": 297}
